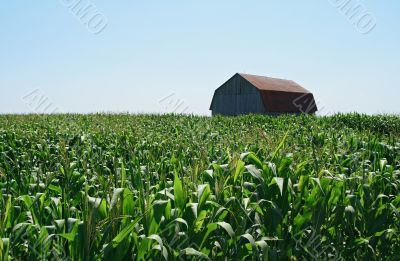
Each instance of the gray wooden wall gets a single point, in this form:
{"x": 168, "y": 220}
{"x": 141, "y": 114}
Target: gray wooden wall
{"x": 235, "y": 97}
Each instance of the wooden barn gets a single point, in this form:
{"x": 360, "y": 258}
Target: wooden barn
{"x": 244, "y": 94}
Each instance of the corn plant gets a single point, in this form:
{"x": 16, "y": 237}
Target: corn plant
{"x": 174, "y": 187}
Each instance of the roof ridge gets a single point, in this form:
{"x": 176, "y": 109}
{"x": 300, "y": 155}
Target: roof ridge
{"x": 263, "y": 76}
{"x": 273, "y": 84}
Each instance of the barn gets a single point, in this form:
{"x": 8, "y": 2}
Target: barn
{"x": 245, "y": 93}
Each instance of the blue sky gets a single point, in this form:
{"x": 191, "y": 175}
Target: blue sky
{"x": 153, "y": 55}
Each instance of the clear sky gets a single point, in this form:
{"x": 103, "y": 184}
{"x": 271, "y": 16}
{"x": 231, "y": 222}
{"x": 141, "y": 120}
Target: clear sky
{"x": 153, "y": 55}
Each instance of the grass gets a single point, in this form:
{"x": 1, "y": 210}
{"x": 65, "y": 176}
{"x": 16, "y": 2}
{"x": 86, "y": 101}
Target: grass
{"x": 100, "y": 187}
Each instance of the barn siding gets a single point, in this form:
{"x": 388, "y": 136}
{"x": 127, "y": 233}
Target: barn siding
{"x": 237, "y": 96}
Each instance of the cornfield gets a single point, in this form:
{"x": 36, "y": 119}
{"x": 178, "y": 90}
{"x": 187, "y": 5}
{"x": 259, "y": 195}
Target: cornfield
{"x": 174, "y": 187}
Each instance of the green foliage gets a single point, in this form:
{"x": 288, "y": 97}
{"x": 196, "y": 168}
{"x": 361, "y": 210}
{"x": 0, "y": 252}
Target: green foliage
{"x": 169, "y": 187}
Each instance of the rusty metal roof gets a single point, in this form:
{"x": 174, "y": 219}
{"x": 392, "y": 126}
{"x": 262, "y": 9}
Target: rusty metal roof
{"x": 273, "y": 84}
{"x": 282, "y": 96}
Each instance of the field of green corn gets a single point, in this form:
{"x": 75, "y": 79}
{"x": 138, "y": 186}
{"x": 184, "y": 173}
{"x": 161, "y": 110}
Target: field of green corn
{"x": 140, "y": 187}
